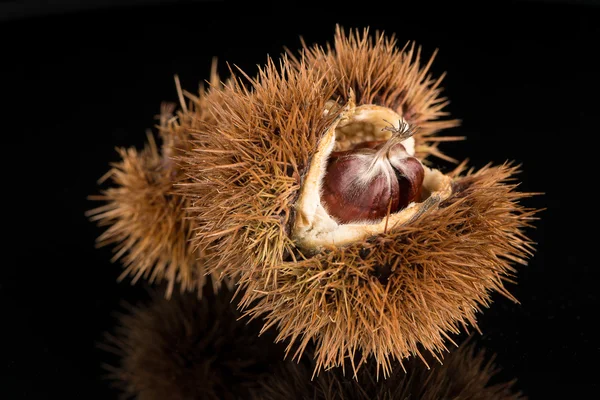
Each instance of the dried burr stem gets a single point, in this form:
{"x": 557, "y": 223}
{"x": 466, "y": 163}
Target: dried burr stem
{"x": 188, "y": 348}
{"x": 467, "y": 373}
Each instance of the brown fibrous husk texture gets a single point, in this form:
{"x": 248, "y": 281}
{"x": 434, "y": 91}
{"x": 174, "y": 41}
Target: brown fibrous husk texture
{"x": 245, "y": 171}
{"x": 379, "y": 72}
{"x": 145, "y": 219}
{"x": 188, "y": 348}
{"x": 466, "y": 374}
{"x": 246, "y": 168}
{"x": 391, "y": 296}
{"x": 413, "y": 285}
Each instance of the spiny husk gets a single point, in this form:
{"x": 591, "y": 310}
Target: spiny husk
{"x": 146, "y": 220}
{"x": 245, "y": 170}
{"x": 379, "y": 72}
{"x": 410, "y": 286}
{"x": 466, "y": 374}
{"x": 384, "y": 296}
{"x": 188, "y": 348}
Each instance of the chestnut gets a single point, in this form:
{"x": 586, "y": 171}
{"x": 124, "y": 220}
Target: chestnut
{"x": 368, "y": 182}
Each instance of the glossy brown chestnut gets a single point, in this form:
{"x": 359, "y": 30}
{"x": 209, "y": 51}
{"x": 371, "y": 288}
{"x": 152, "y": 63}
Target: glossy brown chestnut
{"x": 367, "y": 182}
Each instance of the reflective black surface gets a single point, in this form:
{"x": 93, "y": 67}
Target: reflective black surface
{"x": 521, "y": 76}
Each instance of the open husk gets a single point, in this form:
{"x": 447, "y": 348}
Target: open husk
{"x": 314, "y": 229}
{"x": 390, "y": 288}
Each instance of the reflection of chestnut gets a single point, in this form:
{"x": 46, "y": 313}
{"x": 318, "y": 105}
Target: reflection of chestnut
{"x": 369, "y": 181}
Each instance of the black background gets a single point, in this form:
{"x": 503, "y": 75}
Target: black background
{"x": 521, "y": 76}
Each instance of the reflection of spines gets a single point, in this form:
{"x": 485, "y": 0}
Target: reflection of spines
{"x": 188, "y": 348}
{"x": 466, "y": 374}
